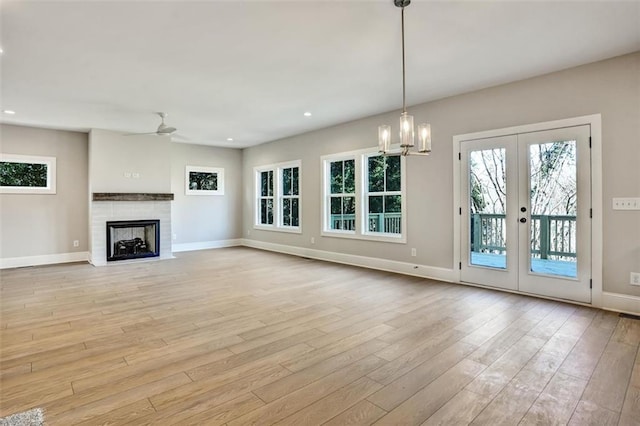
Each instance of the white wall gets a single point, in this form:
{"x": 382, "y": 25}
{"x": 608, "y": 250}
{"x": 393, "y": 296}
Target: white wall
{"x": 45, "y": 225}
{"x": 206, "y": 220}
{"x": 197, "y": 221}
{"x": 38, "y": 228}
{"x": 112, "y": 155}
{"x": 610, "y": 87}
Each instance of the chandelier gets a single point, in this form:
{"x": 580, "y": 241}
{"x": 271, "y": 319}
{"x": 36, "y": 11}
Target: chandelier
{"x": 406, "y": 121}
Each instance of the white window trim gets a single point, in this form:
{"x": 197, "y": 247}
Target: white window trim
{"x": 360, "y": 233}
{"x": 51, "y": 174}
{"x": 277, "y": 197}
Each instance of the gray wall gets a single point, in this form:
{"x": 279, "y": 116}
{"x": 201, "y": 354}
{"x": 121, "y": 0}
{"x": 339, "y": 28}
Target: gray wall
{"x": 43, "y": 224}
{"x": 201, "y": 218}
{"x": 610, "y": 87}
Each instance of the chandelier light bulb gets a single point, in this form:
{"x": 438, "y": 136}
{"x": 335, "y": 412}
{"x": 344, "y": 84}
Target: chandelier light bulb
{"x": 424, "y": 137}
{"x": 384, "y": 138}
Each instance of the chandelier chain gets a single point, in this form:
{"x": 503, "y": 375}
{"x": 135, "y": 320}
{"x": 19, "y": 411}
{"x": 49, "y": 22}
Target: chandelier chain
{"x": 404, "y": 90}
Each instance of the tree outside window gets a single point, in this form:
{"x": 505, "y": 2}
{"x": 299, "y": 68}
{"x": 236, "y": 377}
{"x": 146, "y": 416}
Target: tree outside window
{"x": 290, "y": 196}
{"x": 27, "y": 174}
{"x": 342, "y": 195}
{"x": 384, "y": 196}
{"x": 23, "y": 174}
{"x": 266, "y": 197}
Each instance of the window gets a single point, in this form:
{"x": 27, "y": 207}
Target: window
{"x": 204, "y": 181}
{"x": 343, "y": 195}
{"x": 26, "y": 174}
{"x": 266, "y": 197}
{"x": 364, "y": 196}
{"x": 290, "y": 202}
{"x": 384, "y": 194}
{"x": 278, "y": 183}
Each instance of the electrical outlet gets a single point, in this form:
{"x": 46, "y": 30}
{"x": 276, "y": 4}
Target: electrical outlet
{"x": 626, "y": 203}
{"x": 135, "y": 175}
{"x": 174, "y": 236}
{"x": 313, "y": 240}
{"x": 248, "y": 231}
{"x": 414, "y": 253}
{"x": 635, "y": 278}
{"x": 76, "y": 243}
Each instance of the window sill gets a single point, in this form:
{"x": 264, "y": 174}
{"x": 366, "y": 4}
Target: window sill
{"x": 286, "y": 229}
{"x": 400, "y": 239}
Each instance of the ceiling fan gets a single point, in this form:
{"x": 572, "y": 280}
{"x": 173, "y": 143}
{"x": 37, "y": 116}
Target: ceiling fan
{"x": 162, "y": 130}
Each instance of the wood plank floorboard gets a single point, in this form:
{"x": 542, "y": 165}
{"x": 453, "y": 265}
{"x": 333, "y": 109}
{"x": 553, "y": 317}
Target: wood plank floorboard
{"x": 239, "y": 336}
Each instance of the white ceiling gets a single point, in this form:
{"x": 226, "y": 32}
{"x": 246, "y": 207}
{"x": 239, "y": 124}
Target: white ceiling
{"x": 250, "y": 69}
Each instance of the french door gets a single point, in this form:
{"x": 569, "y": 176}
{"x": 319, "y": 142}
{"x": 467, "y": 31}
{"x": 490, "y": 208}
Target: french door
{"x": 525, "y": 216}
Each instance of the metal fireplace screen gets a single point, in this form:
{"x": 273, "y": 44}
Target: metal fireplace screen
{"x": 133, "y": 239}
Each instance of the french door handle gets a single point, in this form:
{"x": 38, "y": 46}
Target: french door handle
{"x": 523, "y": 220}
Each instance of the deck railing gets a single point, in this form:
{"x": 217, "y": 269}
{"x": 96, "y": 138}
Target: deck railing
{"x": 552, "y": 236}
{"x": 378, "y": 222}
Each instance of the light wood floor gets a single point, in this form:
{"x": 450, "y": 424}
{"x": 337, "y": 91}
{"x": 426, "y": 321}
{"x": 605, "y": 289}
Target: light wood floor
{"x": 240, "y": 336}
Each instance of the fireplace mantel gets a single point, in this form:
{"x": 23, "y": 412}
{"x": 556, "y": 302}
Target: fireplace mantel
{"x": 130, "y": 196}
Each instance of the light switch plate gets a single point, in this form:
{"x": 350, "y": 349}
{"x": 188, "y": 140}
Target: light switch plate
{"x": 626, "y": 203}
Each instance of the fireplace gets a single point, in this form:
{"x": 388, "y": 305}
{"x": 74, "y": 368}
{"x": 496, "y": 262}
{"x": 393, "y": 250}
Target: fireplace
{"x": 133, "y": 239}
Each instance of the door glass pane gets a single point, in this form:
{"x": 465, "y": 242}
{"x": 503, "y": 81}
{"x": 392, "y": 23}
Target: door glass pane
{"x": 487, "y": 204}
{"x": 553, "y": 202}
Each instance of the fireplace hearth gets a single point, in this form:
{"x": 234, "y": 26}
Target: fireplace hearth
{"x": 133, "y": 239}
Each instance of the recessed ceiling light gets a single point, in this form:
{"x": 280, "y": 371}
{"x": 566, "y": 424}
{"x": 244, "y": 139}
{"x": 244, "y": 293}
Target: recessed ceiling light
{"x": 1, "y": 51}
{"x": 307, "y": 114}
{"x": 230, "y": 139}
{"x": 8, "y": 111}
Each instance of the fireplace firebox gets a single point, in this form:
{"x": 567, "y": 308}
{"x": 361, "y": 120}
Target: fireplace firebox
{"x": 133, "y": 239}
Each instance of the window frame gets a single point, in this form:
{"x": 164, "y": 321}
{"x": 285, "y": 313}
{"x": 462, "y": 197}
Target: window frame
{"x": 259, "y": 197}
{"x": 282, "y": 196}
{"x": 218, "y": 171}
{"x": 50, "y": 162}
{"x": 361, "y": 231}
{"x": 278, "y": 197}
{"x": 366, "y": 193}
{"x": 326, "y": 195}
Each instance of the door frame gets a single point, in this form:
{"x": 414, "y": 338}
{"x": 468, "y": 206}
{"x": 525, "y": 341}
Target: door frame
{"x": 595, "y": 122}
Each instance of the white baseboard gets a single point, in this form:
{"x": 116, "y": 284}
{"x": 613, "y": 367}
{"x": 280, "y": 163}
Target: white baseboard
{"x": 610, "y": 301}
{"x": 621, "y": 303}
{"x": 423, "y": 271}
{"x": 47, "y": 259}
{"x": 203, "y": 245}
